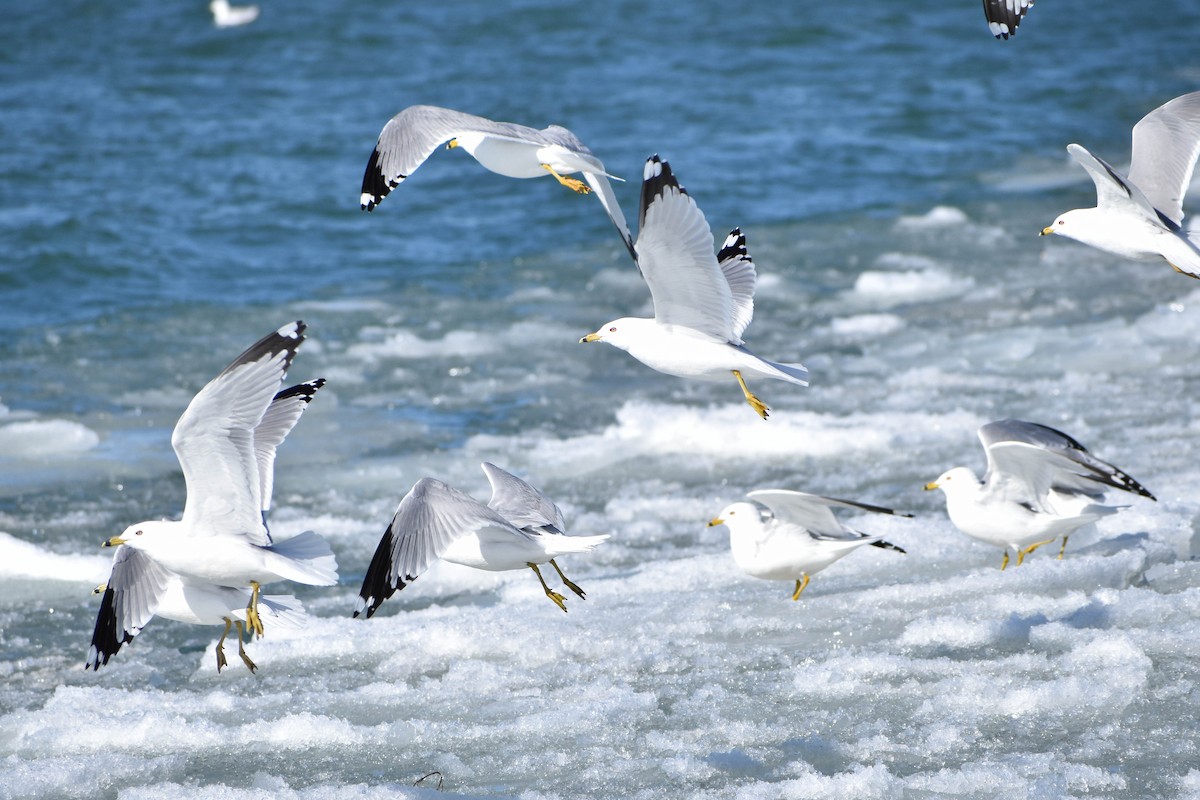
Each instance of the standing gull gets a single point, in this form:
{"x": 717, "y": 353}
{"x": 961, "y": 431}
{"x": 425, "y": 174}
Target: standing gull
{"x": 702, "y": 302}
{"x": 225, "y": 442}
{"x": 1004, "y": 16}
{"x": 1140, "y": 216}
{"x": 139, "y": 588}
{"x": 515, "y": 151}
{"x": 519, "y": 527}
{"x": 1040, "y": 484}
{"x": 797, "y": 538}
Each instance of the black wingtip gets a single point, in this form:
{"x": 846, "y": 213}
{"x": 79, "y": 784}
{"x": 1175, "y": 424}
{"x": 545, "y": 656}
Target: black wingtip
{"x": 734, "y": 246}
{"x": 888, "y": 546}
{"x": 657, "y": 179}
{"x": 374, "y": 185}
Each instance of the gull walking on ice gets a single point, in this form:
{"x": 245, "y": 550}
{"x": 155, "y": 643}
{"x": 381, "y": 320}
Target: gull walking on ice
{"x": 1040, "y": 484}
{"x": 797, "y": 538}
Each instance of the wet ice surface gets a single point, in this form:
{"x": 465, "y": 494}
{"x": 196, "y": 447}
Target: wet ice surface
{"x": 203, "y": 191}
{"x": 929, "y": 674}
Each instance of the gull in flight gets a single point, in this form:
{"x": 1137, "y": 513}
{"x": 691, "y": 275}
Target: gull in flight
{"x": 1140, "y": 216}
{"x": 519, "y": 527}
{"x": 193, "y": 603}
{"x": 798, "y": 537}
{"x": 515, "y": 151}
{"x": 702, "y": 302}
{"x": 139, "y": 588}
{"x": 1040, "y": 484}
{"x": 225, "y": 442}
{"x": 1004, "y": 16}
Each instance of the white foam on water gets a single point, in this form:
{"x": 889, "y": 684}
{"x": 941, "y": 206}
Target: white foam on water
{"x": 51, "y": 438}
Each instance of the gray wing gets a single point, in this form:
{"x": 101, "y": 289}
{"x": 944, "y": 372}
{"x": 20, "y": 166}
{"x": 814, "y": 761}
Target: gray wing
{"x": 1112, "y": 189}
{"x": 214, "y": 439}
{"x": 411, "y": 136}
{"x": 131, "y": 596}
{"x": 1165, "y": 145}
{"x": 810, "y": 511}
{"x": 1004, "y": 16}
{"x": 675, "y": 254}
{"x": 521, "y": 504}
{"x": 280, "y": 417}
{"x": 1049, "y": 459}
{"x": 429, "y": 518}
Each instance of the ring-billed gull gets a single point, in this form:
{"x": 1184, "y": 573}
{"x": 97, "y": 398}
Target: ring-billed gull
{"x": 139, "y": 588}
{"x": 1040, "y": 484}
{"x": 506, "y": 148}
{"x": 702, "y": 302}
{"x": 797, "y": 538}
{"x": 1140, "y": 216}
{"x": 225, "y": 442}
{"x": 1004, "y": 16}
{"x": 519, "y": 527}
{"x": 123, "y": 614}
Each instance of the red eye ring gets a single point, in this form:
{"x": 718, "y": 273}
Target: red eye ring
{"x": 612, "y": 329}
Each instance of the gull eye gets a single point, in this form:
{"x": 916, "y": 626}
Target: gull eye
{"x": 1060, "y": 222}
{"x": 613, "y": 329}
{"x": 137, "y": 533}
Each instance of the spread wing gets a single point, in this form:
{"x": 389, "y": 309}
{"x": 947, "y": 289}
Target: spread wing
{"x": 1004, "y": 16}
{"x": 429, "y": 518}
{"x": 521, "y": 504}
{"x": 281, "y": 416}
{"x": 1112, "y": 189}
{"x": 214, "y": 439}
{"x": 1165, "y": 145}
{"x": 131, "y": 596}
{"x": 675, "y": 254}
{"x": 411, "y": 136}
{"x": 1041, "y": 459}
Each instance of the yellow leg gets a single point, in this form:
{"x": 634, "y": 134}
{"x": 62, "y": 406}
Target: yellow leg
{"x": 253, "y": 622}
{"x": 221, "y": 662}
{"x": 1022, "y": 553}
{"x": 241, "y": 650}
{"x": 566, "y": 582}
{"x": 1063, "y": 549}
{"x": 555, "y": 596}
{"x": 800, "y": 586}
{"x": 1004, "y": 563}
{"x": 570, "y": 183}
{"x": 754, "y": 402}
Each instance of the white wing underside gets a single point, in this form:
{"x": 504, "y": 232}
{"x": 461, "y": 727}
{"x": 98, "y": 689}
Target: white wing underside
{"x": 215, "y": 441}
{"x": 1165, "y": 145}
{"x": 675, "y": 254}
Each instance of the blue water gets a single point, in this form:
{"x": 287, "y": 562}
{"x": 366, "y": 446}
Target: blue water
{"x": 172, "y": 191}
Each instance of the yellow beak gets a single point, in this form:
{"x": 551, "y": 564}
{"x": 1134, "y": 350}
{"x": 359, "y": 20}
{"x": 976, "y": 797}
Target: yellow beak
{"x": 101, "y": 589}
{"x": 453, "y": 143}
{"x": 715, "y": 521}
{"x": 591, "y": 337}
{"x": 1046, "y": 231}
{"x": 929, "y": 487}
{"x": 113, "y": 542}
